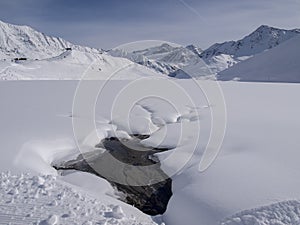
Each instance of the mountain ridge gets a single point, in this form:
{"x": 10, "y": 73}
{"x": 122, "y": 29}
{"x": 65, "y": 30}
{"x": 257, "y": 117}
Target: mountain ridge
{"x": 27, "y": 54}
{"x": 221, "y": 56}
{"x": 163, "y": 58}
{"x": 279, "y": 64}
{"x": 176, "y": 61}
{"x": 23, "y": 41}
{"x": 273, "y": 36}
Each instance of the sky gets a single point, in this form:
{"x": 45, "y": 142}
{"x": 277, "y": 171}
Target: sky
{"x": 109, "y": 23}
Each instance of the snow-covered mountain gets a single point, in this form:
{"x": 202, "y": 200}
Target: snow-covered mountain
{"x": 28, "y": 54}
{"x": 142, "y": 60}
{"x": 195, "y": 49}
{"x": 74, "y": 65}
{"x": 54, "y": 58}
{"x": 166, "y": 53}
{"x": 224, "y": 55}
{"x": 178, "y": 61}
{"x": 164, "y": 58}
{"x": 23, "y": 41}
{"x": 279, "y": 64}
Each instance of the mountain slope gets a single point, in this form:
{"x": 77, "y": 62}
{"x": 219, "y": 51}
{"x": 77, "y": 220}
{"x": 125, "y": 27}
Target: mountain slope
{"x": 168, "y": 54}
{"x": 164, "y": 58}
{"x": 224, "y": 55}
{"x": 178, "y": 61}
{"x": 45, "y": 57}
{"x": 23, "y": 41}
{"x": 280, "y": 64}
{"x": 74, "y": 65}
{"x": 54, "y": 58}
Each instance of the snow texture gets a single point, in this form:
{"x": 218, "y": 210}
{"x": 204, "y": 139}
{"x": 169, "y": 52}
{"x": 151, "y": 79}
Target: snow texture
{"x": 46, "y": 200}
{"x": 281, "y": 213}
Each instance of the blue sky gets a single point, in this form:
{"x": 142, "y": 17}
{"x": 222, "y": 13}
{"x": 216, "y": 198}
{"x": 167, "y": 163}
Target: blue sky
{"x": 109, "y": 23}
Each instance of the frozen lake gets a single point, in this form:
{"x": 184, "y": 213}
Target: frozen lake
{"x": 258, "y": 162}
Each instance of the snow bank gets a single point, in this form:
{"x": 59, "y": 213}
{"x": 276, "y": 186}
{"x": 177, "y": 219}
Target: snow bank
{"x": 44, "y": 200}
{"x": 281, "y": 213}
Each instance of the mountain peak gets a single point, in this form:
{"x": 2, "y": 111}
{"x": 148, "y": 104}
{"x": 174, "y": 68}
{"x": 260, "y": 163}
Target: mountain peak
{"x": 263, "y": 38}
{"x": 165, "y": 45}
{"x": 267, "y": 27}
{"x": 226, "y": 54}
{"x": 23, "y": 41}
{"x": 5, "y": 25}
{"x": 263, "y": 27}
{"x": 194, "y": 49}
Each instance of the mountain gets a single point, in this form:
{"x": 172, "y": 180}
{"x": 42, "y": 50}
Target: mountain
{"x": 23, "y": 41}
{"x": 166, "y": 53}
{"x": 164, "y": 58}
{"x": 184, "y": 62}
{"x": 28, "y": 54}
{"x": 195, "y": 49}
{"x": 142, "y": 60}
{"x": 279, "y": 64}
{"x": 224, "y": 55}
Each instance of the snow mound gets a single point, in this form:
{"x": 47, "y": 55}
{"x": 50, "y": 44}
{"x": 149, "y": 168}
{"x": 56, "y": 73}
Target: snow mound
{"x": 46, "y": 200}
{"x": 282, "y": 213}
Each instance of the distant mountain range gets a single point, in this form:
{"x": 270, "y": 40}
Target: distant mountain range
{"x": 54, "y": 58}
{"x": 164, "y": 59}
{"x": 175, "y": 61}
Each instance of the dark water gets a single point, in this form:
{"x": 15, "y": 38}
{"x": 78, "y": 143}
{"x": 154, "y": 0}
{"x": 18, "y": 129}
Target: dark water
{"x": 152, "y": 199}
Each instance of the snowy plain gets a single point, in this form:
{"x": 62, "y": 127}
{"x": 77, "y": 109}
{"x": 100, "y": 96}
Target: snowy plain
{"x": 257, "y": 165}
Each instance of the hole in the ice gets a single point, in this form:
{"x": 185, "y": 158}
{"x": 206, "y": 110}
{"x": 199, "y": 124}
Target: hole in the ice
{"x": 151, "y": 199}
